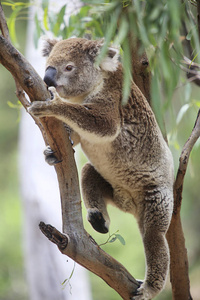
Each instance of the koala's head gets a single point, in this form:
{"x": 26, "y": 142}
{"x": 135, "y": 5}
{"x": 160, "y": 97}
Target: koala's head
{"x": 71, "y": 66}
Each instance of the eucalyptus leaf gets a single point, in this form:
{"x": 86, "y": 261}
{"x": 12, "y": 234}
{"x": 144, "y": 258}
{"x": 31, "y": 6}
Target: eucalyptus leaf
{"x": 109, "y": 35}
{"x": 45, "y": 18}
{"x": 197, "y": 103}
{"x": 112, "y": 240}
{"x": 12, "y": 26}
{"x": 127, "y": 71}
{"x": 123, "y": 30}
{"x": 60, "y": 19}
{"x": 182, "y": 112}
{"x": 120, "y": 238}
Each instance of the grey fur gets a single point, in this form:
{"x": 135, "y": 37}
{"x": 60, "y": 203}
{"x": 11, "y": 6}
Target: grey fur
{"x": 130, "y": 165}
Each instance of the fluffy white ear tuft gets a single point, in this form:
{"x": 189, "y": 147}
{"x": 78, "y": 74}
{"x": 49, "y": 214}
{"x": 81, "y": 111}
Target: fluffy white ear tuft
{"x": 110, "y": 61}
{"x": 48, "y": 46}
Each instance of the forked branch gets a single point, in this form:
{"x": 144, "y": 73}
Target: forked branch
{"x": 76, "y": 243}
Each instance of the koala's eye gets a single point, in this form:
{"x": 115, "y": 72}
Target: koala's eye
{"x": 69, "y": 68}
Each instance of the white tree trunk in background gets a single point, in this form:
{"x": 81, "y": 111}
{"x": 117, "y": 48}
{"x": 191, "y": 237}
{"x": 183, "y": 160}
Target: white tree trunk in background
{"x": 46, "y": 267}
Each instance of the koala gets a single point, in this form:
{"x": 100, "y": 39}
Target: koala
{"x": 130, "y": 164}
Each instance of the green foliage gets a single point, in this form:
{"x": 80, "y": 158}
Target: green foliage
{"x": 67, "y": 280}
{"x": 19, "y": 11}
{"x": 113, "y": 237}
{"x": 157, "y": 24}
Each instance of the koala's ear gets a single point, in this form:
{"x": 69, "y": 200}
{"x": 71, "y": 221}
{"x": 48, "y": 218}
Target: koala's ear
{"x": 110, "y": 62}
{"x": 48, "y": 46}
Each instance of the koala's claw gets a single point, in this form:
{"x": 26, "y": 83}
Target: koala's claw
{"x": 141, "y": 293}
{"x": 51, "y": 93}
{"x": 136, "y": 293}
{"x": 50, "y": 156}
{"x": 97, "y": 221}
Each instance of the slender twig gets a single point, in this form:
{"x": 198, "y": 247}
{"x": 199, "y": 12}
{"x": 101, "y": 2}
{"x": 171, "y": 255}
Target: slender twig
{"x": 186, "y": 42}
{"x": 5, "y": 32}
{"x": 189, "y": 62}
{"x": 192, "y": 71}
{"x": 179, "y": 269}
{"x": 183, "y": 162}
{"x": 3, "y": 24}
{"x": 198, "y": 17}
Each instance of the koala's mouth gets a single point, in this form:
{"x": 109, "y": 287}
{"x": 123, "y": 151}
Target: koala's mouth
{"x": 61, "y": 90}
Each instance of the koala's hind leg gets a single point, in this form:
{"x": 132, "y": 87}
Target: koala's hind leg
{"x": 96, "y": 192}
{"x": 153, "y": 226}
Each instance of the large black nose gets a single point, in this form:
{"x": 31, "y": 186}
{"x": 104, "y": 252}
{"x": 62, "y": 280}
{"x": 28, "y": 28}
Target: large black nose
{"x": 50, "y": 76}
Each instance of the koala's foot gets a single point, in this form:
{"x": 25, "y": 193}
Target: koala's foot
{"x": 97, "y": 220}
{"x": 50, "y": 156}
{"x": 144, "y": 292}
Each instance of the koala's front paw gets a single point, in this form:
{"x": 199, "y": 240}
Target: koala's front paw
{"x": 54, "y": 95}
{"x": 39, "y": 108}
{"x": 45, "y": 108}
{"x": 97, "y": 220}
{"x": 50, "y": 156}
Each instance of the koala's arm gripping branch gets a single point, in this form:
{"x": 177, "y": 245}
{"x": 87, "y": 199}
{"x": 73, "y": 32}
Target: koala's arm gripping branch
{"x": 87, "y": 120}
{"x": 77, "y": 244}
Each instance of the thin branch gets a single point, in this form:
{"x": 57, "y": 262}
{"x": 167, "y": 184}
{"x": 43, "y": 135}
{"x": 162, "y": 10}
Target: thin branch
{"x": 17, "y": 65}
{"x": 192, "y": 71}
{"x": 189, "y": 62}
{"x": 3, "y": 24}
{"x": 179, "y": 269}
{"x": 54, "y": 235}
{"x": 183, "y": 162}
{"x": 5, "y": 32}
{"x": 186, "y": 42}
{"x": 22, "y": 96}
{"x": 198, "y": 17}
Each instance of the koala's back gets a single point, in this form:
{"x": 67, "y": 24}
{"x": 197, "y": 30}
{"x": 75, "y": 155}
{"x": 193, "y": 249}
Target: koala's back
{"x": 137, "y": 158}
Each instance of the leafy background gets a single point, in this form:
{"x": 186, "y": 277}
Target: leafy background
{"x": 175, "y": 101}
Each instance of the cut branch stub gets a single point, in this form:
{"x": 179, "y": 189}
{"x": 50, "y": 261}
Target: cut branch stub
{"x": 54, "y": 235}
{"x": 84, "y": 250}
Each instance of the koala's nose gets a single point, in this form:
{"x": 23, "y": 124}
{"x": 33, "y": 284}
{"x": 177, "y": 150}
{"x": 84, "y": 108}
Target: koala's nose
{"x": 50, "y": 76}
